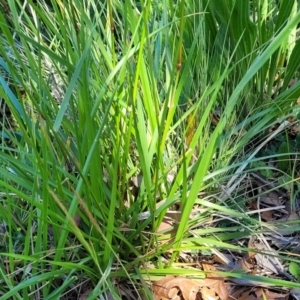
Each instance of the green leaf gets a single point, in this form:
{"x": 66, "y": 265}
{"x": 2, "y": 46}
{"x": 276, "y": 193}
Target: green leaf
{"x": 263, "y": 168}
{"x": 294, "y": 269}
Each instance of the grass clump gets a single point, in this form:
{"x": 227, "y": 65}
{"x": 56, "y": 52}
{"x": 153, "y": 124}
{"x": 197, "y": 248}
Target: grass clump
{"x": 115, "y": 129}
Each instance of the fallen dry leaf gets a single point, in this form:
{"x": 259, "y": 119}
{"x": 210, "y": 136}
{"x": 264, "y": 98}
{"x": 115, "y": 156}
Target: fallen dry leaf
{"x": 215, "y": 283}
{"x": 271, "y": 198}
{"x": 260, "y": 294}
{"x": 245, "y": 293}
{"x": 248, "y": 293}
{"x": 267, "y": 261}
{"x": 245, "y": 264}
{"x": 286, "y": 229}
{"x": 176, "y": 288}
{"x": 168, "y": 222}
{"x": 267, "y": 215}
{"x": 275, "y": 295}
{"x": 208, "y": 294}
{"x": 293, "y": 216}
{"x": 211, "y": 288}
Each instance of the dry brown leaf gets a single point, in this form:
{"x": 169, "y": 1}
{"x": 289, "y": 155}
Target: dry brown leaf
{"x": 267, "y": 261}
{"x": 224, "y": 259}
{"x": 286, "y": 229}
{"x": 180, "y": 288}
{"x": 175, "y": 288}
{"x": 214, "y": 282}
{"x": 168, "y": 222}
{"x": 244, "y": 264}
{"x": 293, "y": 216}
{"x": 267, "y": 215}
{"x": 259, "y": 293}
{"x": 271, "y": 198}
{"x": 208, "y": 294}
{"x": 248, "y": 293}
{"x": 274, "y": 295}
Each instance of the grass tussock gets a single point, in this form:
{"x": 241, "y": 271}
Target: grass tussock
{"x": 138, "y": 138}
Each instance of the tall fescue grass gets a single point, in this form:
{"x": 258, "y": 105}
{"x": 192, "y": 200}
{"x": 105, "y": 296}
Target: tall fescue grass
{"x": 111, "y": 106}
